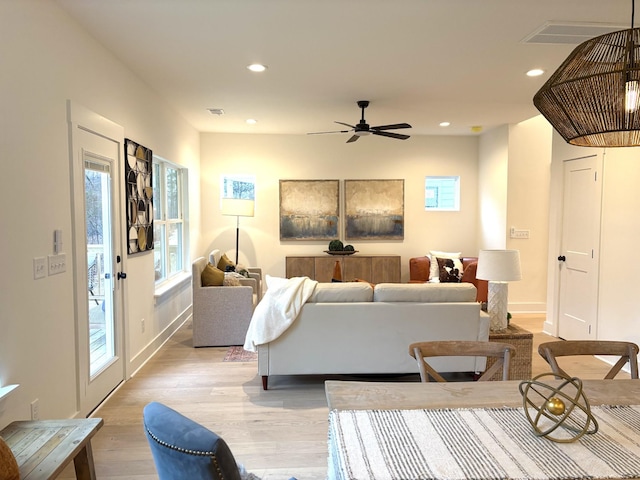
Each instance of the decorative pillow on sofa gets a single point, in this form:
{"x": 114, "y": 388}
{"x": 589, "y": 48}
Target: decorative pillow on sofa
{"x": 232, "y": 279}
{"x": 225, "y": 262}
{"x": 212, "y": 276}
{"x": 434, "y": 271}
{"x": 449, "y": 270}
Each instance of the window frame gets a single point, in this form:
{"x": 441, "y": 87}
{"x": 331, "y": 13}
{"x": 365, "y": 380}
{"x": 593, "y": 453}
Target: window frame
{"x": 162, "y": 223}
{"x": 456, "y": 193}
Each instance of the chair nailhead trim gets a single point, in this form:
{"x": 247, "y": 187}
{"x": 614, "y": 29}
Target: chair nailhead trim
{"x": 179, "y": 449}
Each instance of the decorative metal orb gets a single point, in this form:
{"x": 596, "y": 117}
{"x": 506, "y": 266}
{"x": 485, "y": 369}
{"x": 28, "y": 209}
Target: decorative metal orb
{"x": 559, "y": 412}
{"x": 555, "y": 406}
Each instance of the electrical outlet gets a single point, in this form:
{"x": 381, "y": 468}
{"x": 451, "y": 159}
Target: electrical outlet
{"x": 35, "y": 410}
{"x": 57, "y": 263}
{"x": 39, "y": 267}
{"x": 142, "y": 325}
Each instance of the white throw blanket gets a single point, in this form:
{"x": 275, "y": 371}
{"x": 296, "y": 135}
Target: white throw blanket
{"x": 278, "y": 309}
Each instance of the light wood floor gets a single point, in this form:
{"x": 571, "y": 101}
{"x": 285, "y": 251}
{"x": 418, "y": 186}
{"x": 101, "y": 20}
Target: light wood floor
{"x": 276, "y": 434}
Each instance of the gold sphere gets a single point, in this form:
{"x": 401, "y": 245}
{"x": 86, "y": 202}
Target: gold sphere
{"x": 555, "y": 406}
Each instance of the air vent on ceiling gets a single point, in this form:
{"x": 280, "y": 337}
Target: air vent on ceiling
{"x": 216, "y": 111}
{"x": 570, "y": 33}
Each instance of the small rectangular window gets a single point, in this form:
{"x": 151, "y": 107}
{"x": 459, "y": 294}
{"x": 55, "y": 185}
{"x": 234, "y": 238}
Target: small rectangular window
{"x": 442, "y": 193}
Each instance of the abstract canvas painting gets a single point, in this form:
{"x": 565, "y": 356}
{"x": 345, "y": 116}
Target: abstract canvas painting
{"x": 374, "y": 209}
{"x": 309, "y": 209}
{"x": 139, "y": 190}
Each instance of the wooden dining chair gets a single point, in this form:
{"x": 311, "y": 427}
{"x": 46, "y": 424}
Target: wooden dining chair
{"x": 502, "y": 352}
{"x": 627, "y": 351}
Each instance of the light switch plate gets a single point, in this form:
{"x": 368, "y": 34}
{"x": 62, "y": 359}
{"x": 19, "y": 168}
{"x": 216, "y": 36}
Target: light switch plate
{"x": 57, "y": 263}
{"x": 39, "y": 267}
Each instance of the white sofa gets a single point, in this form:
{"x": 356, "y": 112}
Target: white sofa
{"x": 352, "y": 328}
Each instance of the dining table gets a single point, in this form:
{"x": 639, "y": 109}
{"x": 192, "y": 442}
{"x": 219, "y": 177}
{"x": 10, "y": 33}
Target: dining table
{"x": 482, "y": 430}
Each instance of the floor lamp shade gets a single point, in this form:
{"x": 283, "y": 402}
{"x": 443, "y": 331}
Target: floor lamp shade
{"x": 238, "y": 207}
{"x": 498, "y": 267}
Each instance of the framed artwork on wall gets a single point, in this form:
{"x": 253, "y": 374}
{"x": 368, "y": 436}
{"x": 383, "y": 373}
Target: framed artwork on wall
{"x": 309, "y": 209}
{"x": 139, "y": 197}
{"x": 374, "y": 209}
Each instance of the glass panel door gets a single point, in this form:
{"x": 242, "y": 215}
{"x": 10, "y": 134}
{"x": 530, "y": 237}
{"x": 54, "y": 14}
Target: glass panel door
{"x": 100, "y": 300}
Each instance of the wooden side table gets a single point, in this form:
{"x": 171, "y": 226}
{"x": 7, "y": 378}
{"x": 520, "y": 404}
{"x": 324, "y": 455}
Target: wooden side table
{"x": 522, "y": 340}
{"x": 43, "y": 448}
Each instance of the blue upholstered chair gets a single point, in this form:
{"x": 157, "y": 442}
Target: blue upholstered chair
{"x": 184, "y": 449}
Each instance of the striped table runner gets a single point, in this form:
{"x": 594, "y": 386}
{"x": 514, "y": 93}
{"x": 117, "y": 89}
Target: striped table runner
{"x": 466, "y": 444}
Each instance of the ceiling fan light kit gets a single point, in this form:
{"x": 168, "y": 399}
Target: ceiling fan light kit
{"x": 362, "y": 128}
{"x": 593, "y": 99}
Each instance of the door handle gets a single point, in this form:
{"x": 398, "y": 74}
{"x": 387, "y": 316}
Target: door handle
{"x": 562, "y": 258}
{"x": 122, "y": 275}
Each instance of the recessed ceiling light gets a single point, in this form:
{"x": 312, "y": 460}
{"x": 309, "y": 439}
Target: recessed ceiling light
{"x": 251, "y": 121}
{"x": 257, "y": 67}
{"x": 445, "y": 124}
{"x": 535, "y": 72}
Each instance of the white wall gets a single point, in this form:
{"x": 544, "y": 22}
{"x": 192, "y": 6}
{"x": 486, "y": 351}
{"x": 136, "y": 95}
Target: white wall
{"x": 46, "y": 60}
{"x": 514, "y": 182}
{"x": 619, "y": 288}
{"x": 528, "y": 209}
{"x": 274, "y": 157}
{"x": 492, "y": 187}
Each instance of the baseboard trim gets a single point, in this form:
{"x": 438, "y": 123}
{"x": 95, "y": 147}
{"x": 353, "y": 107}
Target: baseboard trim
{"x": 147, "y": 353}
{"x": 533, "y": 307}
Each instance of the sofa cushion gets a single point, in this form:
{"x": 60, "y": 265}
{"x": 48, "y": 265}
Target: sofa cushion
{"x": 449, "y": 270}
{"x": 344, "y": 292}
{"x": 434, "y": 273}
{"x": 212, "y": 276}
{"x": 225, "y": 262}
{"x": 424, "y": 292}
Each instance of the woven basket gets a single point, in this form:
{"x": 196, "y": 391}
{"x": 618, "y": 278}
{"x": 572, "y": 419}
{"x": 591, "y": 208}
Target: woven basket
{"x": 522, "y": 340}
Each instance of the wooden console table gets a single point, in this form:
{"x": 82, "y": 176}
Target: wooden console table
{"x": 522, "y": 340}
{"x": 43, "y": 448}
{"x": 372, "y": 268}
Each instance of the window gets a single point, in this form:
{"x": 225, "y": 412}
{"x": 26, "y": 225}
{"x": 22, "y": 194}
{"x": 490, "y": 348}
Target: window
{"x": 168, "y": 220}
{"x": 442, "y": 193}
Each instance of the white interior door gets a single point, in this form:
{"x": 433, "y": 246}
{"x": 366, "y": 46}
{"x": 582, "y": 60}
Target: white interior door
{"x": 578, "y": 300}
{"x": 96, "y": 163}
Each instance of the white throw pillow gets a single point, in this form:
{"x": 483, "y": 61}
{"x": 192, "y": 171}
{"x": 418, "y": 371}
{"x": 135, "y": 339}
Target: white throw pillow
{"x": 434, "y": 272}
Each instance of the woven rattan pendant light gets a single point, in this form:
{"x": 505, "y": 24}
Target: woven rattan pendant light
{"x": 593, "y": 99}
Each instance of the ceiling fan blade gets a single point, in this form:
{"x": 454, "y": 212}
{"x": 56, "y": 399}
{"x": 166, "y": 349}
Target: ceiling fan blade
{"x": 392, "y": 127}
{"x": 399, "y": 136}
{"x": 353, "y": 138}
{"x": 345, "y": 124}
{"x": 322, "y": 133}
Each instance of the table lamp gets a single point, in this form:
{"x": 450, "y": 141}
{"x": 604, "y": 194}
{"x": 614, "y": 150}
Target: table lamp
{"x": 238, "y": 207}
{"x": 498, "y": 267}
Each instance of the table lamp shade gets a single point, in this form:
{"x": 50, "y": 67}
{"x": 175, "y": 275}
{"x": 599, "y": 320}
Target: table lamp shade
{"x": 499, "y": 265}
{"x": 240, "y": 207}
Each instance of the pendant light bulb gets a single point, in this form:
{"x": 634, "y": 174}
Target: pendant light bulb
{"x": 631, "y": 95}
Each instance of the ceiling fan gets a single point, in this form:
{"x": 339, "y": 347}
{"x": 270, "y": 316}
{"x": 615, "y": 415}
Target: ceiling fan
{"x": 363, "y": 128}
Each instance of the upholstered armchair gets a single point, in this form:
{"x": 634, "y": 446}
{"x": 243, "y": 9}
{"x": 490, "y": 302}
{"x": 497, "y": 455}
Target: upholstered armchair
{"x": 221, "y": 315}
{"x": 254, "y": 272}
{"x": 182, "y": 448}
